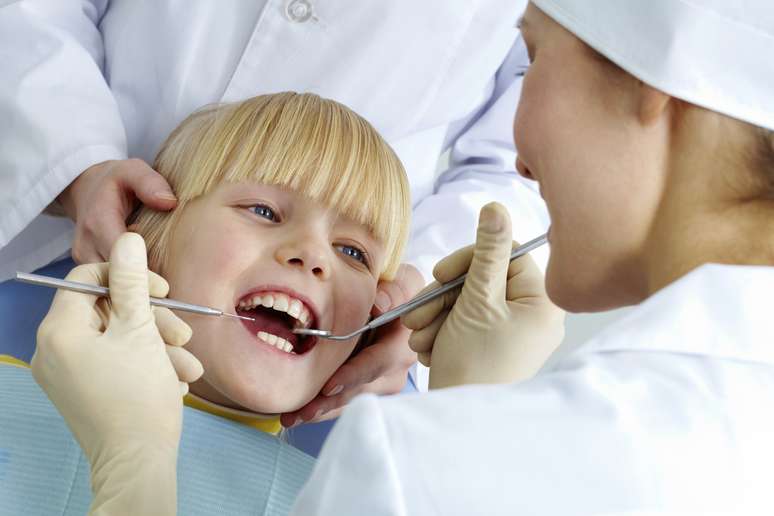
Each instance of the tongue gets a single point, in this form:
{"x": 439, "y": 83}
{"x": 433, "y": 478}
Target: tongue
{"x": 269, "y": 321}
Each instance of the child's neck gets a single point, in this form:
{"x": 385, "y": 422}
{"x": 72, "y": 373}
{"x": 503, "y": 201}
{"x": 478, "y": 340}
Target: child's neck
{"x": 211, "y": 400}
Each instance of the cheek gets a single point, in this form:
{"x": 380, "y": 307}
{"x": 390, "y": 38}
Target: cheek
{"x": 537, "y": 135}
{"x": 232, "y": 248}
{"x": 542, "y": 97}
{"x": 527, "y": 122}
{"x": 227, "y": 253}
{"x": 354, "y": 300}
{"x": 207, "y": 263}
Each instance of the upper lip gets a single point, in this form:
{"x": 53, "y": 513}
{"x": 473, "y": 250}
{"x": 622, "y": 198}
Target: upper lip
{"x": 308, "y": 303}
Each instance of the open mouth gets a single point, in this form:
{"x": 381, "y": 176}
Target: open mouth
{"x": 276, "y": 314}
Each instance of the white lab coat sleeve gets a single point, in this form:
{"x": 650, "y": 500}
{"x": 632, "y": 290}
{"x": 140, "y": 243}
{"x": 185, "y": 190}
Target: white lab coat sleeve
{"x": 356, "y": 473}
{"x": 481, "y": 169}
{"x": 57, "y": 113}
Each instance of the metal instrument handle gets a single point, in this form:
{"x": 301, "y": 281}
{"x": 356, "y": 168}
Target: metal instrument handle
{"x": 446, "y": 287}
{"x": 98, "y": 290}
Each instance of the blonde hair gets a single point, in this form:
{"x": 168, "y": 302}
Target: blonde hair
{"x": 311, "y": 145}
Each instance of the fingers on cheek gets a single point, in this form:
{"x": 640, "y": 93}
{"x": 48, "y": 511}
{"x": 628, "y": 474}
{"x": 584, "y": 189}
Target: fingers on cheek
{"x": 316, "y": 409}
{"x": 411, "y": 279}
{"x": 365, "y": 369}
{"x": 324, "y": 410}
{"x": 344, "y": 377}
{"x": 406, "y": 284}
{"x": 393, "y": 291}
{"x": 321, "y": 407}
{"x": 288, "y": 420}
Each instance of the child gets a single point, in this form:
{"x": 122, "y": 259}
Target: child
{"x": 291, "y": 209}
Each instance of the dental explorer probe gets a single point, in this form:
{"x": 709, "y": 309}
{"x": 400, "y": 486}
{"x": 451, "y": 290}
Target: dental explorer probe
{"x": 417, "y": 301}
{"x": 97, "y": 290}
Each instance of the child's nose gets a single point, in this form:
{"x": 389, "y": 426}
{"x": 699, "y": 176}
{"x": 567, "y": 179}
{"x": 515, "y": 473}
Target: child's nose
{"x": 307, "y": 256}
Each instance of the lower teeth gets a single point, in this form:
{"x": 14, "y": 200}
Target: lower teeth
{"x": 275, "y": 341}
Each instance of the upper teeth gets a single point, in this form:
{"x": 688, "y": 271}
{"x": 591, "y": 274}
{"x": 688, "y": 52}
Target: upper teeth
{"x": 282, "y": 303}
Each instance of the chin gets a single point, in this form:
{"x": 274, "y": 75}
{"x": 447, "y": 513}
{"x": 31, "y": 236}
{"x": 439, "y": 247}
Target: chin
{"x": 271, "y": 404}
{"x": 565, "y": 298}
{"x": 266, "y": 396}
{"x": 576, "y": 293}
{"x": 567, "y": 289}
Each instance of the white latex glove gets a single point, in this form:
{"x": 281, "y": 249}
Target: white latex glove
{"x": 501, "y": 327}
{"x": 116, "y": 371}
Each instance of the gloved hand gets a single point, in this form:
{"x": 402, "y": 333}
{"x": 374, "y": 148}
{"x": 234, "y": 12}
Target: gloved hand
{"x": 501, "y": 327}
{"x": 116, "y": 371}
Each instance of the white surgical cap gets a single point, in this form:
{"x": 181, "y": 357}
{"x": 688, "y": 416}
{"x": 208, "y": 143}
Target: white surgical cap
{"x": 718, "y": 54}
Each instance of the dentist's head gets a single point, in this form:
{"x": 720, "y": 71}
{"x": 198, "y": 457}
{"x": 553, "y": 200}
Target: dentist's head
{"x": 648, "y": 126}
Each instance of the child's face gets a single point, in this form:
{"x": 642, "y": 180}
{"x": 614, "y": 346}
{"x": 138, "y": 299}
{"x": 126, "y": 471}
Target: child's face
{"x": 244, "y": 243}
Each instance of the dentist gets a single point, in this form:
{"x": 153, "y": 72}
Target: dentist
{"x": 650, "y": 135}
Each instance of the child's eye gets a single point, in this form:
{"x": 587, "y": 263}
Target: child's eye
{"x": 354, "y": 253}
{"x": 264, "y": 211}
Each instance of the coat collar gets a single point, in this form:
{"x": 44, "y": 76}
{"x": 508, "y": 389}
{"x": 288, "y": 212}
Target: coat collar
{"x": 721, "y": 311}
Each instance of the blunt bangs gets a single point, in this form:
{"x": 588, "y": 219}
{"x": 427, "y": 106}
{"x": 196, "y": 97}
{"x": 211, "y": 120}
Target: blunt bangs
{"x": 313, "y": 146}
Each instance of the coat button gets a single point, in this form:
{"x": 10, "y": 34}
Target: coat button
{"x": 299, "y": 11}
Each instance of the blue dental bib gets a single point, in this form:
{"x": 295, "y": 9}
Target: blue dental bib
{"x": 223, "y": 467}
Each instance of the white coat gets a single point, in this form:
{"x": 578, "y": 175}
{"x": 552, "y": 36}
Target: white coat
{"x": 668, "y": 411}
{"x": 85, "y": 81}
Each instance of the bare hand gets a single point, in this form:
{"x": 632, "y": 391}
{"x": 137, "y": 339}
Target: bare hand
{"x": 381, "y": 368}
{"x": 103, "y": 196}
